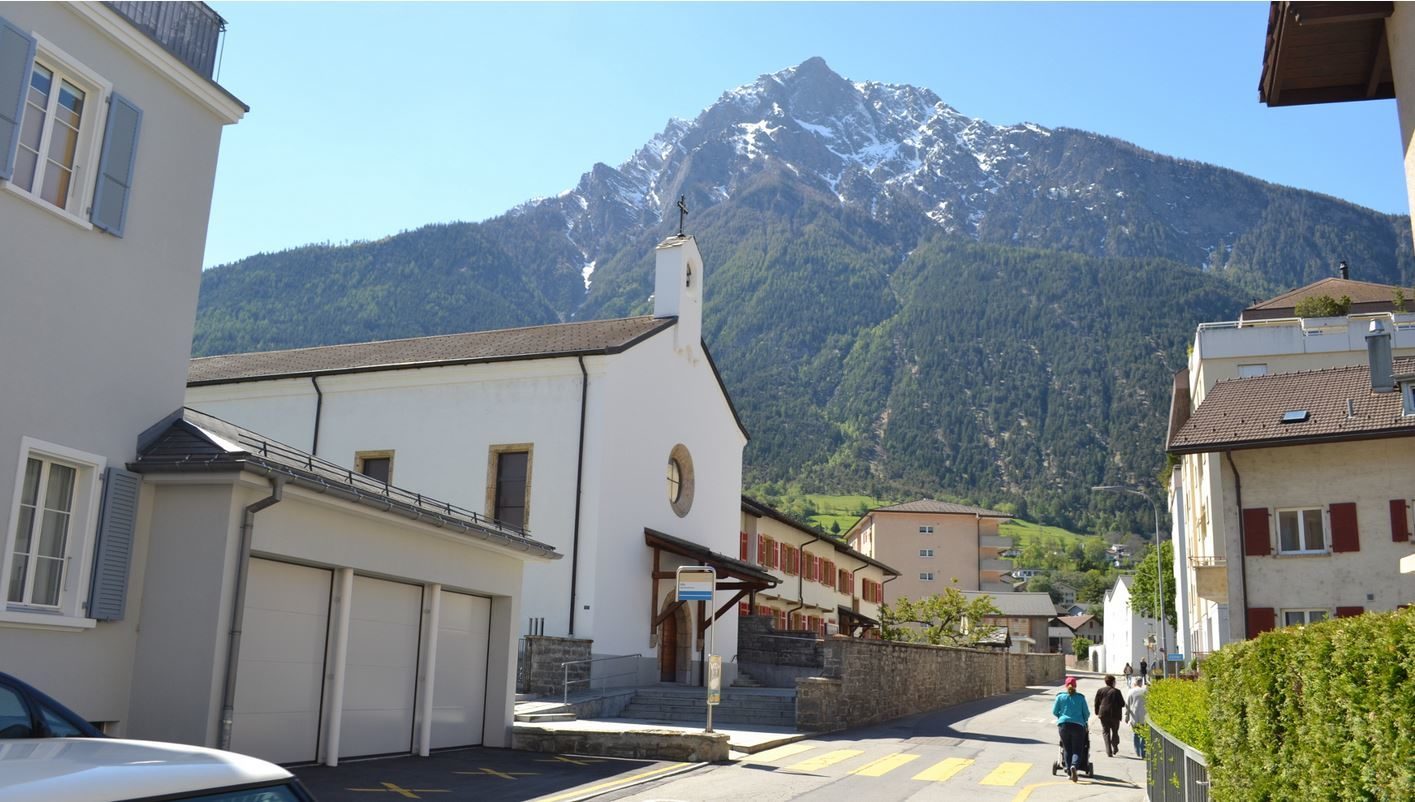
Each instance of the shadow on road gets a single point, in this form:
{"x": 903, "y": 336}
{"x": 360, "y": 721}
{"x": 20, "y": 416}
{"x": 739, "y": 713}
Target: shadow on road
{"x": 942, "y": 723}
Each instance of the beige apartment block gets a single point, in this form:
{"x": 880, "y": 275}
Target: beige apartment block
{"x": 1292, "y": 501}
{"x": 933, "y": 543}
{"x": 823, "y": 585}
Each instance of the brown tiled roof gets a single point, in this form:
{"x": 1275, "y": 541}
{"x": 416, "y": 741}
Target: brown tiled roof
{"x": 1017, "y": 604}
{"x": 530, "y": 342}
{"x": 930, "y": 505}
{"x": 1075, "y": 622}
{"x": 1247, "y": 413}
{"x": 1365, "y": 296}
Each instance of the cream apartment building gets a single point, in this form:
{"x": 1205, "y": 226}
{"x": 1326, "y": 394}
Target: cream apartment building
{"x": 823, "y": 585}
{"x": 1295, "y": 500}
{"x": 933, "y": 543}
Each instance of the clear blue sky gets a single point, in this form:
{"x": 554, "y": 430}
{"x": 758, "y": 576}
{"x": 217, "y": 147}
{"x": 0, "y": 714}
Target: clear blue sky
{"x": 369, "y": 118}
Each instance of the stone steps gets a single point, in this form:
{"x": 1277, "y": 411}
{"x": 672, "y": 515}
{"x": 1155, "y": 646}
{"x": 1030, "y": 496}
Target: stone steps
{"x": 741, "y": 706}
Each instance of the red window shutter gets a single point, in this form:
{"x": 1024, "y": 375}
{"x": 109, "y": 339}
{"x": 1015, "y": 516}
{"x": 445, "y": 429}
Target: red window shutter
{"x": 1257, "y": 542}
{"x": 1344, "y": 535}
{"x": 1260, "y": 620}
{"x": 744, "y": 545}
{"x": 1399, "y": 521}
{"x": 1347, "y": 612}
{"x": 811, "y": 565}
{"x": 743, "y": 609}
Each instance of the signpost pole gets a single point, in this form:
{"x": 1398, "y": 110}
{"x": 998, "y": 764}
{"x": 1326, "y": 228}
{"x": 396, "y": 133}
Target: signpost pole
{"x": 699, "y": 583}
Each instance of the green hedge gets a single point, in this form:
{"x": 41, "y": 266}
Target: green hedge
{"x": 1322, "y": 712}
{"x": 1181, "y": 708}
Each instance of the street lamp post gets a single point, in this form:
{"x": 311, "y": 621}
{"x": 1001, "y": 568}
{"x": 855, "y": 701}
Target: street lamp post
{"x": 1159, "y": 567}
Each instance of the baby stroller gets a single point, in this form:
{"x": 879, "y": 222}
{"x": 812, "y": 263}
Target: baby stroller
{"x": 1084, "y": 765}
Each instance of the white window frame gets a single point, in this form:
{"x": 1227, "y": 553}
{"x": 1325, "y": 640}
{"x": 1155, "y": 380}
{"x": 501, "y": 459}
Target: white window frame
{"x": 926, "y": 552}
{"x": 1407, "y": 395}
{"x": 926, "y": 576}
{"x": 926, "y": 529}
{"x": 1302, "y": 531}
{"x": 71, "y": 612}
{"x": 1306, "y": 613}
{"x": 86, "y": 155}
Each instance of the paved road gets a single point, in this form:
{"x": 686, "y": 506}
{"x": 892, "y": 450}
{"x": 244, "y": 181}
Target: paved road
{"x": 995, "y": 749}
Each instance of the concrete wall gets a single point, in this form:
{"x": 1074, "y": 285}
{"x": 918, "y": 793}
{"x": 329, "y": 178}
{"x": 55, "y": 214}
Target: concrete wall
{"x": 94, "y": 336}
{"x": 866, "y": 682}
{"x": 1400, "y": 36}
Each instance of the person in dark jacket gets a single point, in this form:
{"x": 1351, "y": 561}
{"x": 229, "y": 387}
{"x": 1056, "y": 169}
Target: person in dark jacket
{"x": 1110, "y": 706}
{"x": 1071, "y": 717}
{"x": 1144, "y": 673}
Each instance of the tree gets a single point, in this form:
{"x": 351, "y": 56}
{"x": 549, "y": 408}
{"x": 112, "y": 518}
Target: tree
{"x": 945, "y": 619}
{"x": 1142, "y": 589}
{"x": 1081, "y": 647}
{"x": 1323, "y": 306}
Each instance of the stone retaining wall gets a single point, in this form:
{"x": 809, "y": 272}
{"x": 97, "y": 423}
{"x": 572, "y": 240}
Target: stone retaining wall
{"x": 774, "y": 658}
{"x": 869, "y": 681}
{"x": 546, "y": 677}
{"x": 685, "y": 747}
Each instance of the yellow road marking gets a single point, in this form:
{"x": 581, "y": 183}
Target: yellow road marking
{"x": 406, "y": 793}
{"x": 576, "y": 793}
{"x": 943, "y": 769}
{"x": 505, "y": 775}
{"x": 1006, "y": 774}
{"x": 578, "y": 761}
{"x": 827, "y": 759}
{"x": 884, "y": 765}
{"x": 779, "y": 752}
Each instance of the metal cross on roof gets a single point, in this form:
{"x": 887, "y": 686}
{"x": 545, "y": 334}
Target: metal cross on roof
{"x": 682, "y": 212}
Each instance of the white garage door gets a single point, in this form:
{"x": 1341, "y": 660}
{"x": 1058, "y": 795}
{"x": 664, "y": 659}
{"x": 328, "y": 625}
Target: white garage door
{"x": 381, "y": 669}
{"x": 280, "y": 672}
{"x": 459, "y": 683}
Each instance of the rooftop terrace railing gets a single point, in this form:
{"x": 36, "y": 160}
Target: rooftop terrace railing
{"x": 189, "y": 31}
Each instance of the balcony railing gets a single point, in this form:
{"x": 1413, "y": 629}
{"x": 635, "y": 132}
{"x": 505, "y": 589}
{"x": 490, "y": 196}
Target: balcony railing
{"x": 1175, "y": 771}
{"x": 1208, "y": 561}
{"x": 189, "y": 31}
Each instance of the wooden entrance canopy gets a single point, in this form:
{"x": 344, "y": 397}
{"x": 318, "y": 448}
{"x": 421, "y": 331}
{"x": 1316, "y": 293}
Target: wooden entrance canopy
{"x": 856, "y": 621}
{"x": 732, "y": 574}
{"x": 1326, "y": 52}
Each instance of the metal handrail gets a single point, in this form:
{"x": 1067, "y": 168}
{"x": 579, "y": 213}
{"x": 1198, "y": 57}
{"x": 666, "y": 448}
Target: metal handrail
{"x": 565, "y": 668}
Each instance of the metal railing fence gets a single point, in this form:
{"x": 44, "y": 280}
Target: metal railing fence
{"x": 603, "y": 680}
{"x": 1174, "y": 770}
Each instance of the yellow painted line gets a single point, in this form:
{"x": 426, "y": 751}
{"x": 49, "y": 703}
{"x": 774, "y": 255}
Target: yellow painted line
{"x": 1027, "y": 791}
{"x": 1006, "y": 774}
{"x": 944, "y": 769}
{"x": 406, "y": 793}
{"x": 778, "y": 753}
{"x": 576, "y": 793}
{"x": 884, "y": 765}
{"x": 827, "y": 759}
{"x": 505, "y": 775}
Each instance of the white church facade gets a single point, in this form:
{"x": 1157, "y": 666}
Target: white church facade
{"x": 613, "y": 441}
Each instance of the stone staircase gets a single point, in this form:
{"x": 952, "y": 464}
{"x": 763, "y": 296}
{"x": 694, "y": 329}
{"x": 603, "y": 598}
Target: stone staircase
{"x": 744, "y": 706}
{"x": 745, "y": 680}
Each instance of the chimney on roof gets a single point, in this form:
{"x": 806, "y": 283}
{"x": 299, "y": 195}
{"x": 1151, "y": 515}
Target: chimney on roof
{"x": 1379, "y": 356}
{"x": 1343, "y": 269}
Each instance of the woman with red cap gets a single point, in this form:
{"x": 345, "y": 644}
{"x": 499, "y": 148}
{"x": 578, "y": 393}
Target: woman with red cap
{"x": 1072, "y": 713}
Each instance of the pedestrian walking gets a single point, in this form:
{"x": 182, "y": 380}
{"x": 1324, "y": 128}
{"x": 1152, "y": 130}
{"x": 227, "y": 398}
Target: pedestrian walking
{"x": 1144, "y": 672}
{"x": 1072, "y": 715}
{"x": 1109, "y": 707}
{"x": 1128, "y": 672}
{"x": 1135, "y": 715}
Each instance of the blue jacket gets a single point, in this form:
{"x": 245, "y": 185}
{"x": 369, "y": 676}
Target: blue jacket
{"x": 1071, "y": 708}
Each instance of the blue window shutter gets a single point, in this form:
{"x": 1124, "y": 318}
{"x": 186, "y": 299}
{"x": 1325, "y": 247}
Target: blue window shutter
{"x": 16, "y": 58}
{"x": 117, "y": 522}
{"x": 115, "y": 166}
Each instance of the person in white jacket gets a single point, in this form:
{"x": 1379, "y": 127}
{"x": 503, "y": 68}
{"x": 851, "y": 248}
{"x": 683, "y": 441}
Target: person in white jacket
{"x": 1135, "y": 714}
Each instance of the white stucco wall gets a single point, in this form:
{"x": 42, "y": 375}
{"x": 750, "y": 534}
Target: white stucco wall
{"x": 1125, "y": 632}
{"x": 1400, "y": 37}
